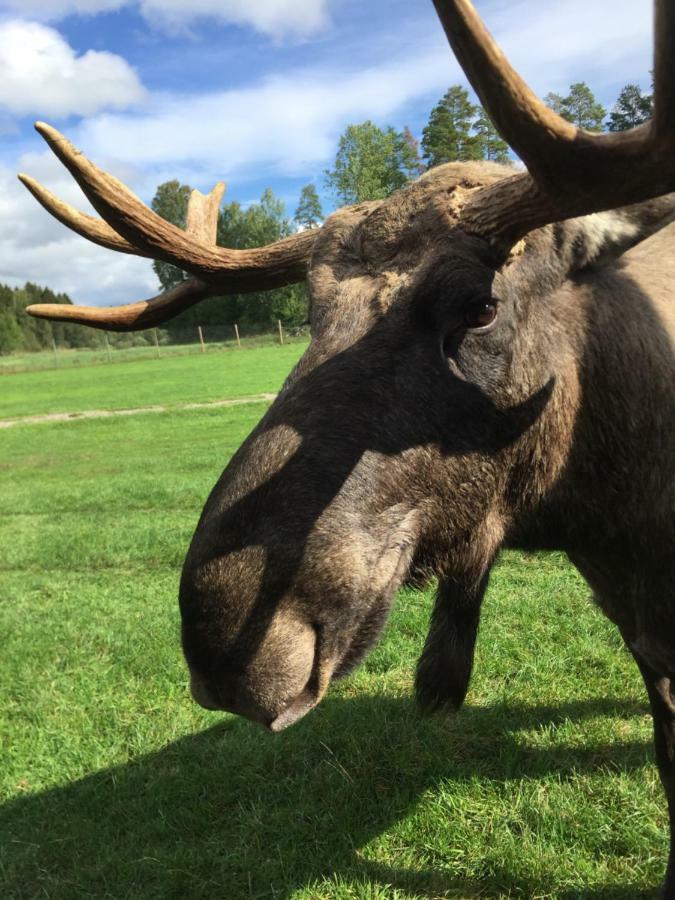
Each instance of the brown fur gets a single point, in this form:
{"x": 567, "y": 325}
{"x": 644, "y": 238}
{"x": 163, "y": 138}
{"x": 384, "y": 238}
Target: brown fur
{"x": 404, "y": 441}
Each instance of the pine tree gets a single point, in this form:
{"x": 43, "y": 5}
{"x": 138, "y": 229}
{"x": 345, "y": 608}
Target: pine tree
{"x": 631, "y": 109}
{"x": 579, "y": 107}
{"x": 447, "y": 136}
{"x": 555, "y": 102}
{"x": 309, "y": 213}
{"x": 491, "y": 144}
{"x": 411, "y": 161}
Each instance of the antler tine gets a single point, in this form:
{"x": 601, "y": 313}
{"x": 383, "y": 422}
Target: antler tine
{"x": 95, "y": 230}
{"x": 130, "y": 227}
{"x": 572, "y": 172}
{"x": 664, "y": 82}
{"x": 260, "y": 268}
{"x": 532, "y": 129}
{"x": 131, "y": 316}
{"x": 202, "y": 214}
{"x": 202, "y": 222}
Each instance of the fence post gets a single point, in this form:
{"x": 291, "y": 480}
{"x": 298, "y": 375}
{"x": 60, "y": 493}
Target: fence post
{"x": 56, "y": 359}
{"x": 154, "y": 334}
{"x": 201, "y": 338}
{"x": 236, "y": 334}
{"x": 281, "y": 332}
{"x": 107, "y": 346}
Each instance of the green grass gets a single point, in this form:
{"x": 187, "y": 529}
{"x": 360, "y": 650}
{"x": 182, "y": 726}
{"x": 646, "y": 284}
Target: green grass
{"x": 116, "y": 353}
{"x": 146, "y": 382}
{"x": 116, "y": 785}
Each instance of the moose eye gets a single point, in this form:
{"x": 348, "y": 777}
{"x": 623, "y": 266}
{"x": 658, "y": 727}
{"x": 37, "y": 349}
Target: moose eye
{"x": 480, "y": 313}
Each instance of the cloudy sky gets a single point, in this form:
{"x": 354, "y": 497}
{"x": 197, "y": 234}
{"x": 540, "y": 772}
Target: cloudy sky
{"x": 253, "y": 92}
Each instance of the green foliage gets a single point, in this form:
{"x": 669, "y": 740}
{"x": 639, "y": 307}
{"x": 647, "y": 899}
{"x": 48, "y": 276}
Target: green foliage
{"x": 370, "y": 164}
{"x": 309, "y": 213}
{"x": 491, "y": 144}
{"x": 555, "y": 102}
{"x": 631, "y": 109}
{"x": 411, "y": 161}
{"x": 21, "y": 332}
{"x": 579, "y": 107}
{"x": 171, "y": 202}
{"x": 238, "y": 228}
{"x": 447, "y": 136}
{"x": 11, "y": 337}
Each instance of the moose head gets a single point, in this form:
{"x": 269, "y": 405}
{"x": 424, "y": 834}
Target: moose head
{"x": 435, "y": 408}
{"x": 477, "y": 356}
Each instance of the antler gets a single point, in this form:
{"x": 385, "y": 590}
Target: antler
{"x": 129, "y": 226}
{"x": 571, "y": 172}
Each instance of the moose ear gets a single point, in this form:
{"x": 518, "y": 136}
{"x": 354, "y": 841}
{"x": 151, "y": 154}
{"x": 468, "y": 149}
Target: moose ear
{"x": 597, "y": 239}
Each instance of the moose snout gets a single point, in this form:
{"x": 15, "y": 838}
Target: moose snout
{"x": 229, "y": 699}
{"x": 274, "y": 687}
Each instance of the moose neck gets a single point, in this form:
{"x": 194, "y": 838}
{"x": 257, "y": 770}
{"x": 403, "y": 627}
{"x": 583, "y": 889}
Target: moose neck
{"x": 612, "y": 397}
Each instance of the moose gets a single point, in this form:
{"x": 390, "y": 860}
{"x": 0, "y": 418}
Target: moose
{"x": 491, "y": 365}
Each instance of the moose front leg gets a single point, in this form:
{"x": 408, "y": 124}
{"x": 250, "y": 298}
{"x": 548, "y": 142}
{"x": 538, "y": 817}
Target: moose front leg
{"x": 661, "y": 690}
{"x": 444, "y": 669}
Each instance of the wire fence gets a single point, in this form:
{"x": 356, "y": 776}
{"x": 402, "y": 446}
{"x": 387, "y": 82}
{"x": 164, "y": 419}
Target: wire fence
{"x": 155, "y": 343}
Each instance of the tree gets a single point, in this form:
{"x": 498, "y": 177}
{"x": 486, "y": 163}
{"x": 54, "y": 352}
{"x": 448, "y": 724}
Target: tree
{"x": 309, "y": 213}
{"x": 11, "y": 337}
{"x": 411, "y": 161}
{"x": 555, "y": 102}
{"x": 369, "y": 164}
{"x": 632, "y": 108}
{"x": 491, "y": 144}
{"x": 447, "y": 136}
{"x": 171, "y": 202}
{"x": 261, "y": 223}
{"x": 579, "y": 107}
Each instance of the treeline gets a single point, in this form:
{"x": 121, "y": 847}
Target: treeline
{"x": 371, "y": 162}
{"x": 20, "y": 332}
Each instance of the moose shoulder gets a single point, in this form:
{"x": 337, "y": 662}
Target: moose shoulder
{"x": 491, "y": 364}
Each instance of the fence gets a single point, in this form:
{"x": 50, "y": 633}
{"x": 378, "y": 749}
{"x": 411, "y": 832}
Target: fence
{"x": 112, "y": 347}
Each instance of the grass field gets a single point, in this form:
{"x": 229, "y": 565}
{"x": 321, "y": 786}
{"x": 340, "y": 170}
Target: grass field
{"x": 76, "y": 358}
{"x": 116, "y": 785}
{"x": 168, "y": 381}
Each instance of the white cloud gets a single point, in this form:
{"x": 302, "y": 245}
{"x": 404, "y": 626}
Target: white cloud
{"x": 287, "y": 124}
{"x": 57, "y": 9}
{"x": 35, "y": 247}
{"x": 552, "y": 44}
{"x": 43, "y": 76}
{"x": 276, "y": 18}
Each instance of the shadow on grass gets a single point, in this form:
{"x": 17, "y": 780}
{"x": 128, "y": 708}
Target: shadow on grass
{"x": 234, "y": 812}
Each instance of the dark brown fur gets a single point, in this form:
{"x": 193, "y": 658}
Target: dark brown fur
{"x": 403, "y": 441}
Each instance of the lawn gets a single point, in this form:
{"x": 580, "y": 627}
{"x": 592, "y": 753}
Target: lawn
{"x": 169, "y": 380}
{"x": 116, "y": 785}
{"x": 214, "y": 342}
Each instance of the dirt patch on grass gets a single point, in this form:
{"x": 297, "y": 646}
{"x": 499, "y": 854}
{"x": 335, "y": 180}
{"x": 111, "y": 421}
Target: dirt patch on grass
{"x": 141, "y": 410}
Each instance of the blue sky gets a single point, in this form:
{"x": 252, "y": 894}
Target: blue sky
{"x": 253, "y": 92}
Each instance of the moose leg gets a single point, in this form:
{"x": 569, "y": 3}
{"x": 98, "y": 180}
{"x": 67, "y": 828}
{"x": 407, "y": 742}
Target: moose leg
{"x": 444, "y": 669}
{"x": 661, "y": 690}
